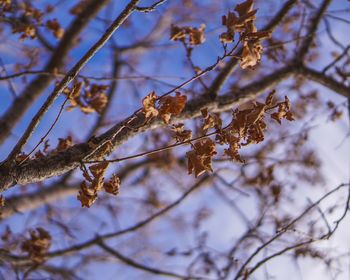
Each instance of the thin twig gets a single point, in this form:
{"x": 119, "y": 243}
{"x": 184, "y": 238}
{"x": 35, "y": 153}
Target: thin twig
{"x": 150, "y": 8}
{"x": 137, "y": 265}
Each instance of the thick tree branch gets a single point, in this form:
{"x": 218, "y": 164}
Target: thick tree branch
{"x": 325, "y": 80}
{"x": 39, "y": 169}
{"x": 59, "y": 190}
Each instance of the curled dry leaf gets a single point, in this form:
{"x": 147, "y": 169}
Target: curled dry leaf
{"x": 233, "y": 149}
{"x": 89, "y": 99}
{"x": 243, "y": 22}
{"x": 251, "y": 54}
{"x": 55, "y": 27}
{"x": 181, "y": 134}
{"x": 2, "y": 201}
{"x": 171, "y": 105}
{"x": 113, "y": 185}
{"x": 283, "y": 111}
{"x": 248, "y": 125}
{"x": 87, "y": 196}
{"x": 210, "y": 120}
{"x": 191, "y": 35}
{"x": 64, "y": 144}
{"x": 199, "y": 159}
{"x": 99, "y": 102}
{"x": 26, "y": 31}
{"x": 38, "y": 245}
{"x": 88, "y": 193}
{"x": 98, "y": 170}
{"x": 149, "y": 107}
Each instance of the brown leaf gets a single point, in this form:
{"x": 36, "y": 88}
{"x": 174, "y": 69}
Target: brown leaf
{"x": 233, "y": 149}
{"x": 251, "y": 54}
{"x": 113, "y": 185}
{"x": 199, "y": 159}
{"x": 244, "y": 7}
{"x": 86, "y": 196}
{"x": 98, "y": 170}
{"x": 64, "y": 144}
{"x": 194, "y": 35}
{"x": 38, "y": 245}
{"x": 2, "y": 201}
{"x": 55, "y": 27}
{"x": 210, "y": 120}
{"x": 99, "y": 102}
{"x": 283, "y": 111}
{"x": 181, "y": 134}
{"x": 171, "y": 105}
{"x": 149, "y": 105}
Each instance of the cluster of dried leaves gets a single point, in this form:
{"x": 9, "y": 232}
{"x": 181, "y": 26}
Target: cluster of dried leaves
{"x": 89, "y": 98}
{"x": 189, "y": 35}
{"x": 246, "y": 127}
{"x": 94, "y": 182}
{"x": 30, "y": 19}
{"x": 167, "y": 106}
{"x": 243, "y": 23}
{"x": 37, "y": 245}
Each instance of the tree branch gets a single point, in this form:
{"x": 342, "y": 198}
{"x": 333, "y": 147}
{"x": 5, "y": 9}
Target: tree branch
{"x": 69, "y": 77}
{"x": 94, "y": 241}
{"x": 132, "y": 263}
{"x": 324, "y": 80}
{"x": 311, "y": 31}
{"x": 39, "y": 169}
{"x": 38, "y": 85}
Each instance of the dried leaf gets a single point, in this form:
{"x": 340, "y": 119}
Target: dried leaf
{"x": 199, "y": 159}
{"x": 181, "y": 134}
{"x": 251, "y": 54}
{"x": 113, "y": 185}
{"x": 99, "y": 102}
{"x": 149, "y": 105}
{"x": 55, "y": 27}
{"x": 38, "y": 245}
{"x": 283, "y": 111}
{"x": 98, "y": 170}
{"x": 171, "y": 105}
{"x": 2, "y": 201}
{"x": 210, "y": 120}
{"x": 194, "y": 36}
{"x": 64, "y": 144}
{"x": 233, "y": 149}
{"x": 86, "y": 196}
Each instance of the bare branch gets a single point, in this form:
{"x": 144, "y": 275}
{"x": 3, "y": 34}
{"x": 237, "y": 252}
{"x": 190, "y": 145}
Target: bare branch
{"x": 137, "y": 265}
{"x": 311, "y": 31}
